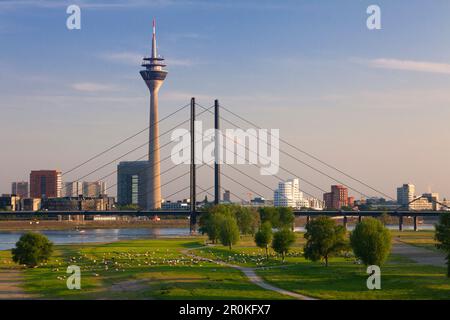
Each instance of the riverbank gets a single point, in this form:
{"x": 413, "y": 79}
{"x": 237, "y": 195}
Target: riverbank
{"x": 29, "y": 225}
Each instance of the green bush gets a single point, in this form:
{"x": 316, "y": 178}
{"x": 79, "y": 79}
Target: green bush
{"x": 371, "y": 242}
{"x": 32, "y": 249}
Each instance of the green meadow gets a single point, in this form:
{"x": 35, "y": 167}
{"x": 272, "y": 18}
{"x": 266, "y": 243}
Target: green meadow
{"x": 161, "y": 269}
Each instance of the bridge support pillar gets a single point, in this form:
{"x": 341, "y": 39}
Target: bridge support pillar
{"x": 360, "y": 218}
{"x": 345, "y": 222}
{"x": 416, "y": 227}
{"x": 400, "y": 223}
{"x": 193, "y": 201}
{"x": 308, "y": 219}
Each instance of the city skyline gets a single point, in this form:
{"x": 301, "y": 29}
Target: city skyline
{"x": 98, "y": 94}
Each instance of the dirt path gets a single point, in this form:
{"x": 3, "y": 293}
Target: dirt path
{"x": 11, "y": 285}
{"x": 252, "y": 276}
{"x": 419, "y": 255}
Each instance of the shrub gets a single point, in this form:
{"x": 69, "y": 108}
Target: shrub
{"x": 32, "y": 249}
{"x": 371, "y": 242}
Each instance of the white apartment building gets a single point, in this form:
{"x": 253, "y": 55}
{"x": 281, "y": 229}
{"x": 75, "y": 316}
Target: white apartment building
{"x": 288, "y": 194}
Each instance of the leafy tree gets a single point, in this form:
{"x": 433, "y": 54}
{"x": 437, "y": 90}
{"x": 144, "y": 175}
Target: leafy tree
{"x": 32, "y": 249}
{"x": 270, "y": 214}
{"x": 286, "y": 217}
{"x": 442, "y": 235}
{"x": 279, "y": 217}
{"x": 247, "y": 219}
{"x": 229, "y": 232}
{"x": 211, "y": 220}
{"x": 264, "y": 236}
{"x": 371, "y": 242}
{"x": 324, "y": 239}
{"x": 282, "y": 241}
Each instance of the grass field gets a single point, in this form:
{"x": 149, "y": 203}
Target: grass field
{"x": 146, "y": 269}
{"x": 157, "y": 269}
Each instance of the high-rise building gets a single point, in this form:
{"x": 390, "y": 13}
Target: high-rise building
{"x": 154, "y": 76}
{"x": 132, "y": 183}
{"x": 45, "y": 183}
{"x": 94, "y": 189}
{"x": 406, "y": 194}
{"x": 227, "y": 196}
{"x": 337, "y": 198}
{"x": 288, "y": 194}
{"x": 72, "y": 189}
{"x": 20, "y": 189}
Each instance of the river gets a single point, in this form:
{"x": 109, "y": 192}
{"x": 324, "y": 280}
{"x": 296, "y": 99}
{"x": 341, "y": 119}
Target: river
{"x": 8, "y": 239}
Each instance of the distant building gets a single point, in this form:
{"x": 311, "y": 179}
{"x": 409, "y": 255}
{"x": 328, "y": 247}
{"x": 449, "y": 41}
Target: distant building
{"x": 316, "y": 204}
{"x": 132, "y": 183}
{"x": 337, "y": 198}
{"x": 72, "y": 189}
{"x": 10, "y": 202}
{"x": 421, "y": 204}
{"x": 288, "y": 194}
{"x": 227, "y": 196}
{"x": 94, "y": 189}
{"x": 405, "y": 194}
{"x": 78, "y": 204}
{"x": 20, "y": 189}
{"x": 178, "y": 205}
{"x": 45, "y": 183}
{"x": 446, "y": 205}
{"x": 30, "y": 204}
{"x": 433, "y": 198}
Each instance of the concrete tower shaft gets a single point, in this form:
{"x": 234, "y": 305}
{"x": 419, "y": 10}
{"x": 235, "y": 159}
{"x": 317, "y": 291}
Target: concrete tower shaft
{"x": 154, "y": 76}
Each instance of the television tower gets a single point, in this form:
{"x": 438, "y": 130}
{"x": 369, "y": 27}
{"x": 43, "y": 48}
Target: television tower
{"x": 153, "y": 76}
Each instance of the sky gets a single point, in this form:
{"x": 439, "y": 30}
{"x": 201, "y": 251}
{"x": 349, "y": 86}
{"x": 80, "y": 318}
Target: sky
{"x": 373, "y": 103}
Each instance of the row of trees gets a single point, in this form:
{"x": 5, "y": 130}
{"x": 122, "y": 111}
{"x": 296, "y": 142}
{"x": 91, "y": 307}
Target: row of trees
{"x": 370, "y": 241}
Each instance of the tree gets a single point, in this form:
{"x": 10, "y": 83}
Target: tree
{"x": 371, "y": 242}
{"x": 32, "y": 249}
{"x": 279, "y": 217}
{"x": 324, "y": 239}
{"x": 270, "y": 214}
{"x": 229, "y": 232}
{"x": 442, "y": 235}
{"x": 264, "y": 236}
{"x": 211, "y": 220}
{"x": 247, "y": 219}
{"x": 282, "y": 241}
{"x": 286, "y": 217}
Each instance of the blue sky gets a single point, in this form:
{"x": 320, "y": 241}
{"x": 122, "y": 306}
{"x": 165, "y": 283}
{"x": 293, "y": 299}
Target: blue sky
{"x": 374, "y": 103}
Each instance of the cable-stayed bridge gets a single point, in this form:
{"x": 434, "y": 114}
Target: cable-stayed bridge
{"x": 304, "y": 160}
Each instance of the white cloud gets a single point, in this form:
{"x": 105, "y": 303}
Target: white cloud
{"x": 126, "y": 57}
{"x": 410, "y": 65}
{"x": 92, "y": 87}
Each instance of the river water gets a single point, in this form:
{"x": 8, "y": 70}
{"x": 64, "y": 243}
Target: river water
{"x": 8, "y": 239}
